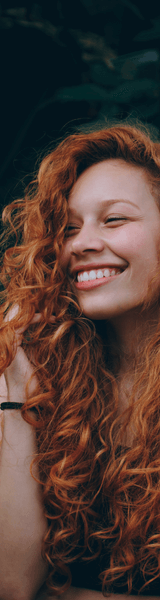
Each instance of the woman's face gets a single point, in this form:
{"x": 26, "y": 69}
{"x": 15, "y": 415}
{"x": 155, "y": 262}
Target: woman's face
{"x": 112, "y": 243}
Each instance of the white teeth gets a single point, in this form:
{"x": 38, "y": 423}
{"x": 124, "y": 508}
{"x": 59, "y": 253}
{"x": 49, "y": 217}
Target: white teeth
{"x": 107, "y": 273}
{"x": 85, "y": 276}
{"x": 99, "y": 274}
{"x": 92, "y": 275}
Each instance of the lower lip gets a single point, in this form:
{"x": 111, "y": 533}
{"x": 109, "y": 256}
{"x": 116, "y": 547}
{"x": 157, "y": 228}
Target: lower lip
{"x": 87, "y": 285}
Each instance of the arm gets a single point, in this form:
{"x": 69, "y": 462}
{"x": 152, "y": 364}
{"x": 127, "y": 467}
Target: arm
{"x": 83, "y": 594}
{"x": 22, "y": 522}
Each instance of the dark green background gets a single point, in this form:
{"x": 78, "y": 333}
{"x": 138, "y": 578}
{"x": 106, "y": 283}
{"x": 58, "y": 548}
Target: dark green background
{"x": 68, "y": 65}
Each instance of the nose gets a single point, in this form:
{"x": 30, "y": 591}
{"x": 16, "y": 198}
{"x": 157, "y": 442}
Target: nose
{"x": 88, "y": 239}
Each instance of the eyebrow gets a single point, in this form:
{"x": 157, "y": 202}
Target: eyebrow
{"x": 114, "y": 201}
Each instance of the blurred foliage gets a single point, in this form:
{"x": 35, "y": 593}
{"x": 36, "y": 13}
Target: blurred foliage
{"x": 94, "y": 47}
{"x": 73, "y": 65}
{"x": 150, "y": 34}
{"x": 103, "y": 6}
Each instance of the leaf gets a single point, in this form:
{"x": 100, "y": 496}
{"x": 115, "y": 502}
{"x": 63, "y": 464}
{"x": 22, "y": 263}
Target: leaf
{"x": 148, "y": 110}
{"x": 133, "y": 89}
{"x": 19, "y": 13}
{"x": 138, "y": 58}
{"x": 100, "y": 6}
{"x": 120, "y": 94}
{"x": 5, "y": 23}
{"x": 87, "y": 91}
{"x": 94, "y": 47}
{"x": 35, "y": 22}
{"x": 132, "y": 7}
{"x": 149, "y": 34}
{"x": 101, "y": 74}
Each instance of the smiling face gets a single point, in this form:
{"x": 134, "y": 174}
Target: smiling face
{"x": 113, "y": 238}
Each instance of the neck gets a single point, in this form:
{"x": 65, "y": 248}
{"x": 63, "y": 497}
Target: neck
{"x": 133, "y": 331}
{"x": 130, "y": 334}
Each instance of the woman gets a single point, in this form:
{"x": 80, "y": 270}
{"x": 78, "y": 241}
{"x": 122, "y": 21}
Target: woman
{"x": 80, "y": 317}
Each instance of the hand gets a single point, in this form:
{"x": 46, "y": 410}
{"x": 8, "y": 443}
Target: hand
{"x": 20, "y": 369}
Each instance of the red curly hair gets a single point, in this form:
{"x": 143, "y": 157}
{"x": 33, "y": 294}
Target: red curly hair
{"x": 82, "y": 463}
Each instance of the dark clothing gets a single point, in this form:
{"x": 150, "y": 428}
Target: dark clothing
{"x": 85, "y": 575}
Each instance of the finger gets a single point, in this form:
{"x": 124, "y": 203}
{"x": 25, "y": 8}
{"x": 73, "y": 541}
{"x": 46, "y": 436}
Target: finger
{"x": 12, "y": 313}
{"x": 18, "y": 334}
{"x": 37, "y": 317}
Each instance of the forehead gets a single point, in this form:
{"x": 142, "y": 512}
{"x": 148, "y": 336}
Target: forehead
{"x": 111, "y": 179}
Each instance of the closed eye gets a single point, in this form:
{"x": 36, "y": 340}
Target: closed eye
{"x": 70, "y": 229}
{"x": 116, "y": 219}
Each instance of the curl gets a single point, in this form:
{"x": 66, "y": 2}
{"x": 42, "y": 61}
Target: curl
{"x": 82, "y": 462}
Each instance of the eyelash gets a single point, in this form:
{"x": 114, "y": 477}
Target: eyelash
{"x": 115, "y": 219}
{"x": 70, "y": 228}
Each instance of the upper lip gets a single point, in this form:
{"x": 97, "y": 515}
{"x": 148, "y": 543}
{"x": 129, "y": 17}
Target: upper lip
{"x": 90, "y": 266}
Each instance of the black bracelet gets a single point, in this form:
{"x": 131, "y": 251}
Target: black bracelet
{"x": 13, "y": 405}
{"x": 10, "y": 405}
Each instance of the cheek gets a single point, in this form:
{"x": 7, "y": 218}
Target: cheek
{"x": 65, "y": 256}
{"x": 137, "y": 245}
{"x": 130, "y": 244}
